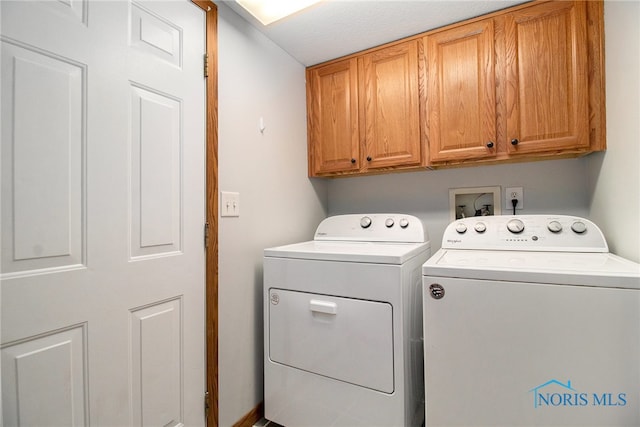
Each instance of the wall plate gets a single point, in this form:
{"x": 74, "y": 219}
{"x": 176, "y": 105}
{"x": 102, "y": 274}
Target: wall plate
{"x": 229, "y": 203}
{"x": 477, "y": 201}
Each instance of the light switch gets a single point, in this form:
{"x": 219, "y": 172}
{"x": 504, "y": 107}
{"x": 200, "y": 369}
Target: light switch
{"x": 229, "y": 203}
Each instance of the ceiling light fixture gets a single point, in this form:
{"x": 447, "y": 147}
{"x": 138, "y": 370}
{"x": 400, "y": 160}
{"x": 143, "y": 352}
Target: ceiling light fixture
{"x": 269, "y": 11}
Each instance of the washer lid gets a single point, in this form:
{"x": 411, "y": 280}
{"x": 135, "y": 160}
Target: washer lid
{"x": 569, "y": 268}
{"x": 369, "y": 252}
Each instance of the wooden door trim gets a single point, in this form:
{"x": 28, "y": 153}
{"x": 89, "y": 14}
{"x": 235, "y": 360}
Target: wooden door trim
{"x": 211, "y": 268}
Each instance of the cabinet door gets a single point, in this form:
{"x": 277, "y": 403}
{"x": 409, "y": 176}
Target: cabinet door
{"x": 390, "y": 107}
{"x": 547, "y": 81}
{"x": 461, "y": 106}
{"x": 333, "y": 118}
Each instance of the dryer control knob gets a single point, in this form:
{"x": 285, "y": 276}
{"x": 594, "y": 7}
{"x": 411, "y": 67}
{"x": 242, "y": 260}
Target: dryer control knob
{"x": 515, "y": 226}
{"x": 404, "y": 223}
{"x": 480, "y": 227}
{"x": 365, "y": 222}
{"x": 554, "y": 226}
{"x": 579, "y": 227}
{"x": 461, "y": 228}
{"x": 389, "y": 222}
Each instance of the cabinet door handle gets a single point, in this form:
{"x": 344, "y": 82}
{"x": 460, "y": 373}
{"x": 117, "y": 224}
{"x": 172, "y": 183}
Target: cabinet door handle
{"x": 514, "y": 141}
{"x": 490, "y": 144}
{"x": 368, "y": 158}
{"x": 353, "y": 161}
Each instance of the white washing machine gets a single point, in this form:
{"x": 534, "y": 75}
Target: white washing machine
{"x": 343, "y": 324}
{"x": 530, "y": 321}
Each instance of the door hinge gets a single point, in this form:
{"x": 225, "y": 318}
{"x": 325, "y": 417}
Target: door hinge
{"x": 207, "y": 405}
{"x": 206, "y": 235}
{"x": 206, "y": 65}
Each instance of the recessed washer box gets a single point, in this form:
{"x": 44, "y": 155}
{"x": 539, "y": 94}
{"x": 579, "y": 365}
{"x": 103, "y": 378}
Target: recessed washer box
{"x": 476, "y": 201}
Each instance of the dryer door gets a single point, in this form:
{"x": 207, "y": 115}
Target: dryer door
{"x": 346, "y": 339}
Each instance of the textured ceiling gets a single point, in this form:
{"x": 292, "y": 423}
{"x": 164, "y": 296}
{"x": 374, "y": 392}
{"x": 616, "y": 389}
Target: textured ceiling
{"x": 334, "y": 28}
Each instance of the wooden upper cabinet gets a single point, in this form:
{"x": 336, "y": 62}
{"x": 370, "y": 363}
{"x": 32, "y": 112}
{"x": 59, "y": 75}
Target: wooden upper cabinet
{"x": 333, "y": 125}
{"x": 461, "y": 107}
{"x": 389, "y": 105}
{"x": 363, "y": 112}
{"x": 522, "y": 83}
{"x": 547, "y": 92}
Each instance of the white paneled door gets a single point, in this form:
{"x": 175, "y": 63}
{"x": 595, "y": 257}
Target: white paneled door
{"x": 102, "y": 213}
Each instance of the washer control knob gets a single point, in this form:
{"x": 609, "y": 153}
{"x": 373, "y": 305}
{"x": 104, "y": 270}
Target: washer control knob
{"x": 579, "y": 227}
{"x": 404, "y": 223}
{"x": 480, "y": 227}
{"x": 365, "y": 222}
{"x": 515, "y": 226}
{"x": 389, "y": 222}
{"x": 554, "y": 226}
{"x": 461, "y": 228}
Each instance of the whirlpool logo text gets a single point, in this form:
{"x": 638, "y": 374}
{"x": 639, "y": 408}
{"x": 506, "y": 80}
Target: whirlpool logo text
{"x": 554, "y": 393}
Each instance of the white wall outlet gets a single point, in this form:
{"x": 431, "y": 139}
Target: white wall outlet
{"x": 229, "y": 203}
{"x": 513, "y": 193}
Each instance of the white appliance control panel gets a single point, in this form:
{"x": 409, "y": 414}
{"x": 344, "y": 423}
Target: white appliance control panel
{"x": 558, "y": 233}
{"x": 399, "y": 228}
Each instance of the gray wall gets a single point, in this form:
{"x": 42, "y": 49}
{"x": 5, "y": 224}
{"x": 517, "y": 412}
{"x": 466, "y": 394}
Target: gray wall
{"x": 278, "y": 203}
{"x": 556, "y": 186}
{"x": 614, "y": 176}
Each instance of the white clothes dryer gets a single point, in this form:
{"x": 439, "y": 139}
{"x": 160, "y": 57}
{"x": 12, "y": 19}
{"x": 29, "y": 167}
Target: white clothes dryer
{"x": 530, "y": 321}
{"x": 343, "y": 324}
